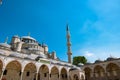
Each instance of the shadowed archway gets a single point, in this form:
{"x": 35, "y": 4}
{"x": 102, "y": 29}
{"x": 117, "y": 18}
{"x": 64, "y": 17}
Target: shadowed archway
{"x": 113, "y": 71}
{"x": 12, "y": 71}
{"x": 54, "y": 73}
{"x": 43, "y": 73}
{"x": 88, "y": 73}
{"x": 63, "y": 75}
{"x": 29, "y": 72}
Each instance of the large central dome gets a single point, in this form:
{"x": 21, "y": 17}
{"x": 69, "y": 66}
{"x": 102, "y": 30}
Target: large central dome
{"x": 28, "y": 37}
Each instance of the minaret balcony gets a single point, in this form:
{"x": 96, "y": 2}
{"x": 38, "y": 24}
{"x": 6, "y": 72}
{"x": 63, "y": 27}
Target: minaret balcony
{"x": 69, "y": 53}
{"x": 69, "y": 44}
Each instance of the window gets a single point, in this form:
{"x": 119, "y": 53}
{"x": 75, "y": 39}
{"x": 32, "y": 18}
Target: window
{"x": 20, "y": 73}
{"x": 62, "y": 75}
{"x": 45, "y": 75}
{"x": 66, "y": 76}
{"x": 28, "y": 73}
{"x": 5, "y": 72}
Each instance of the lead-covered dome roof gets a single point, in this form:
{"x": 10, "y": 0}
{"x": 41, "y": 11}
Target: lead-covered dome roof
{"x": 5, "y": 45}
{"x": 28, "y": 37}
{"x": 111, "y": 58}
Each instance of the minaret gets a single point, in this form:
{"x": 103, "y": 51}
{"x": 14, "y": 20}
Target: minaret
{"x": 69, "y": 53}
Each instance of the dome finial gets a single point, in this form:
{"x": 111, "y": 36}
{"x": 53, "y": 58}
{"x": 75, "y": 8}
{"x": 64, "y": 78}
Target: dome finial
{"x": 6, "y": 40}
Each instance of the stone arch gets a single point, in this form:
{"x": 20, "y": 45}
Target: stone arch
{"x": 1, "y": 66}
{"x": 113, "y": 70}
{"x": 75, "y": 77}
{"x": 12, "y": 70}
{"x": 99, "y": 71}
{"x": 54, "y": 73}
{"x": 2, "y": 61}
{"x": 82, "y": 77}
{"x": 29, "y": 72}
{"x": 88, "y": 73}
{"x": 43, "y": 73}
{"x": 63, "y": 75}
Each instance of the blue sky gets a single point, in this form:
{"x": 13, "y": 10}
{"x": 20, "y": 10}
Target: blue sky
{"x": 94, "y": 25}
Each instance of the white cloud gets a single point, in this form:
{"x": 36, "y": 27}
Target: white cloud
{"x": 88, "y": 54}
{"x": 106, "y": 28}
{"x": 94, "y": 53}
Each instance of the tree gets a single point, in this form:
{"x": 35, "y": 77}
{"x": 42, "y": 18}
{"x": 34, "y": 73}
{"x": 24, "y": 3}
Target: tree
{"x": 79, "y": 59}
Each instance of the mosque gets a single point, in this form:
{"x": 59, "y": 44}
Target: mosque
{"x": 27, "y": 59}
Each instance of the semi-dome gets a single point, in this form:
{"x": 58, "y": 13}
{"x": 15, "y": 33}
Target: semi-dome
{"x": 31, "y": 56}
{"x": 16, "y": 54}
{"x": 5, "y": 45}
{"x": 2, "y": 53}
{"x": 34, "y": 49}
{"x": 28, "y": 37}
{"x": 42, "y": 55}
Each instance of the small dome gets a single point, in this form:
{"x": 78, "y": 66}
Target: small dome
{"x": 80, "y": 64}
{"x": 88, "y": 63}
{"x": 16, "y": 36}
{"x": 98, "y": 61}
{"x": 111, "y": 58}
{"x": 44, "y": 45}
{"x": 5, "y": 45}
{"x": 28, "y": 37}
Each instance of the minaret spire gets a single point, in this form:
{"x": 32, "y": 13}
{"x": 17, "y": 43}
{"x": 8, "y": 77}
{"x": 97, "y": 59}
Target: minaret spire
{"x": 69, "y": 53}
{"x": 67, "y": 27}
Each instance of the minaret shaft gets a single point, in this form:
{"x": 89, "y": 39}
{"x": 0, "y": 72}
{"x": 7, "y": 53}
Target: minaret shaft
{"x": 69, "y": 52}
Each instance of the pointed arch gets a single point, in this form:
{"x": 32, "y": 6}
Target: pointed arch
{"x": 1, "y": 66}
{"x": 112, "y": 69}
{"x": 63, "y": 75}
{"x": 88, "y": 72}
{"x": 54, "y": 73}
{"x": 82, "y": 77}
{"x": 43, "y": 73}
{"x": 12, "y": 70}
{"x": 75, "y": 77}
{"x": 99, "y": 71}
{"x": 29, "y": 72}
